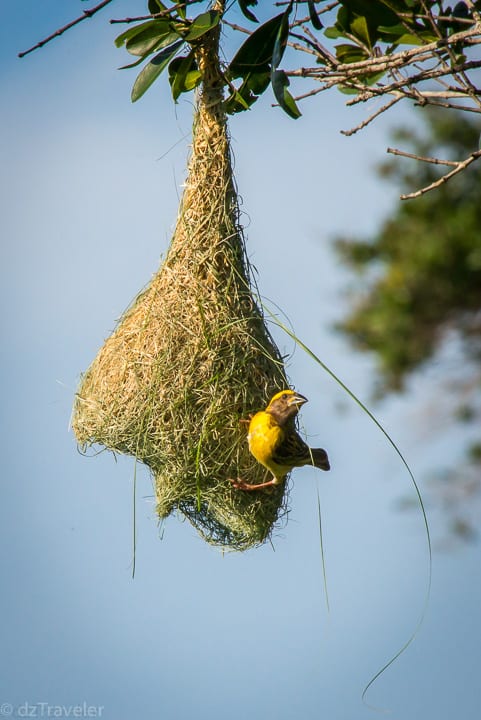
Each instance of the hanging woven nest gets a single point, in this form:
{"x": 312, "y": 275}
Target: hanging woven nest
{"x": 192, "y": 356}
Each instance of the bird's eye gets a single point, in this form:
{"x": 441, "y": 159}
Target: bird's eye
{"x": 284, "y": 397}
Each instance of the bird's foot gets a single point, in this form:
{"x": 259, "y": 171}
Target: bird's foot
{"x": 245, "y": 421}
{"x": 240, "y": 484}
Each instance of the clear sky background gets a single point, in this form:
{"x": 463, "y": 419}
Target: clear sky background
{"x": 89, "y": 191}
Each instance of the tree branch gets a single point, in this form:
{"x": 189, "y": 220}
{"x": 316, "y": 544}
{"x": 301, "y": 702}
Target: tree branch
{"x": 460, "y": 166}
{"x": 162, "y": 13}
{"x": 86, "y": 14}
{"x": 233, "y": 26}
{"x": 374, "y": 115}
{"x": 421, "y": 158}
{"x": 400, "y": 59}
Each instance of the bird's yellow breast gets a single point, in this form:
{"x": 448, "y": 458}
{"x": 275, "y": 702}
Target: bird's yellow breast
{"x": 264, "y": 436}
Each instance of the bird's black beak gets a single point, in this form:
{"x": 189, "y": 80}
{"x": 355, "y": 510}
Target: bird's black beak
{"x": 297, "y": 399}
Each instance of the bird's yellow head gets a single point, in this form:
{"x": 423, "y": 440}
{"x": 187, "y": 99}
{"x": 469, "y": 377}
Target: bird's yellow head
{"x": 285, "y": 405}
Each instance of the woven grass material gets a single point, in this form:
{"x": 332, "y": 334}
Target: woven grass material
{"x": 192, "y": 356}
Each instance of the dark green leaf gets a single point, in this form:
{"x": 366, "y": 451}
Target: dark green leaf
{"x": 343, "y": 19}
{"x": 134, "y": 64}
{"x": 360, "y": 30}
{"x": 421, "y": 38}
{"x": 461, "y": 10}
{"x": 153, "y": 69}
{"x": 316, "y": 23}
{"x": 244, "y": 6}
{"x": 175, "y": 64}
{"x": 135, "y": 30}
{"x": 152, "y": 38}
{"x": 202, "y": 24}
{"x": 372, "y": 78}
{"x": 155, "y": 6}
{"x": 120, "y": 39}
{"x": 389, "y": 33}
{"x": 347, "y": 90}
{"x": 281, "y": 38}
{"x": 280, "y": 83}
{"x": 333, "y": 32}
{"x": 147, "y": 37}
{"x": 239, "y": 101}
{"x": 192, "y": 80}
{"x": 376, "y": 12}
{"x": 350, "y": 53}
{"x": 253, "y": 85}
{"x": 183, "y": 74}
{"x": 258, "y": 82}
{"x": 255, "y": 55}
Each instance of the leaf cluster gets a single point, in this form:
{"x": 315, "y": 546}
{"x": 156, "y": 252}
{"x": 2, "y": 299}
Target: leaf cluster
{"x": 169, "y": 41}
{"x": 370, "y": 23}
{"x": 163, "y": 40}
{"x": 419, "y": 50}
{"x": 415, "y": 50}
{"x": 360, "y": 30}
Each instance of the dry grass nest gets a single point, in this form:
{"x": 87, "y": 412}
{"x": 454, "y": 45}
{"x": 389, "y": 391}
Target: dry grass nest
{"x": 190, "y": 359}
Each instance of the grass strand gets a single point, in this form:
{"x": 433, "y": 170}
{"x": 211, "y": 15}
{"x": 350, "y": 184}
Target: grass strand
{"x": 275, "y": 320}
{"x": 323, "y": 557}
{"x": 134, "y": 520}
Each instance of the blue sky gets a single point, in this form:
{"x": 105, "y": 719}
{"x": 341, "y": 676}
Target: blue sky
{"x": 90, "y": 187}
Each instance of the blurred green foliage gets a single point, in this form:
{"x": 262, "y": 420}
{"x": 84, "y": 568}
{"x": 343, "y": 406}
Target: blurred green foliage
{"x": 421, "y": 273}
{"x": 417, "y": 284}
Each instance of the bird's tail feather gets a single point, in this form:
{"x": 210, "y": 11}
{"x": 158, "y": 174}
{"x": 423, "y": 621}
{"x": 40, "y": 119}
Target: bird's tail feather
{"x": 320, "y": 459}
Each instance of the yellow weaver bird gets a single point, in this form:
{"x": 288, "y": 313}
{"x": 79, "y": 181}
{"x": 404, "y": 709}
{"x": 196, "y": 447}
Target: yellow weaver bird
{"x": 275, "y": 443}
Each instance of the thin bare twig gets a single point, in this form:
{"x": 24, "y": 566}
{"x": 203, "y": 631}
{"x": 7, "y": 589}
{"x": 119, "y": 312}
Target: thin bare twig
{"x": 86, "y": 14}
{"x": 372, "y": 117}
{"x": 153, "y": 16}
{"x": 314, "y": 91}
{"x": 448, "y": 93}
{"x": 286, "y": 2}
{"x": 421, "y": 158}
{"x": 460, "y": 166}
{"x": 297, "y": 22}
{"x": 320, "y": 48}
{"x": 437, "y": 18}
{"x": 320, "y": 10}
{"x": 303, "y": 48}
{"x": 233, "y": 26}
{"x": 328, "y": 7}
{"x": 460, "y": 76}
{"x": 137, "y": 18}
{"x": 308, "y": 47}
{"x": 404, "y": 57}
{"x": 406, "y": 84}
{"x": 454, "y": 106}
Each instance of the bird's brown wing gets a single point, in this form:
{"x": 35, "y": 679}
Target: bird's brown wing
{"x": 291, "y": 451}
